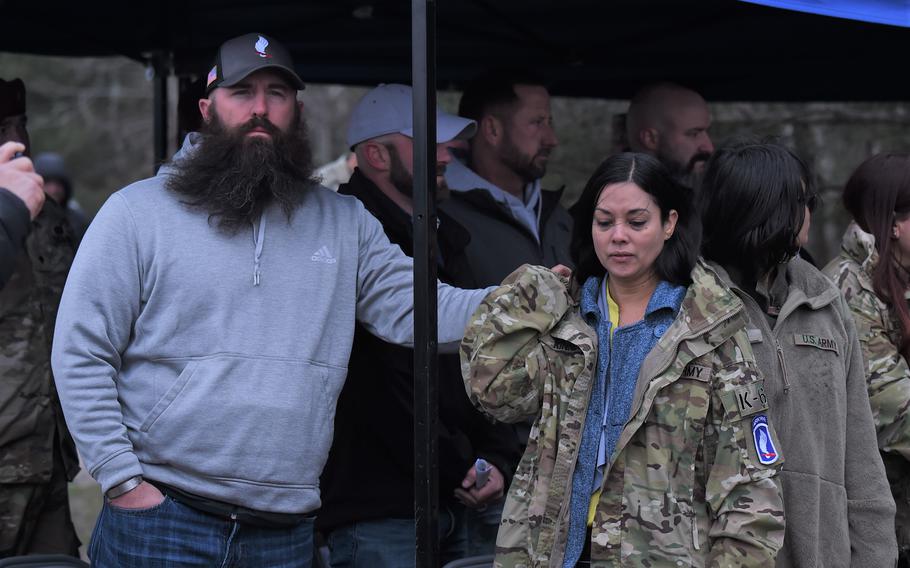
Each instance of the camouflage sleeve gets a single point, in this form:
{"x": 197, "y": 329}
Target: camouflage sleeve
{"x": 887, "y": 373}
{"x": 501, "y": 357}
{"x": 742, "y": 489}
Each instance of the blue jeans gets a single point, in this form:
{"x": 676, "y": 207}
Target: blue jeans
{"x": 391, "y": 543}
{"x": 482, "y": 525}
{"x": 171, "y": 535}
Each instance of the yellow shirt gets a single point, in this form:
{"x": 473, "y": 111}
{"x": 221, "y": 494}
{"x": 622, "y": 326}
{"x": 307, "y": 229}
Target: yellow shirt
{"x": 613, "y": 308}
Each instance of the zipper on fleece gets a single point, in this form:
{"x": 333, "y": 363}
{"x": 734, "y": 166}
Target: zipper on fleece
{"x": 783, "y": 365}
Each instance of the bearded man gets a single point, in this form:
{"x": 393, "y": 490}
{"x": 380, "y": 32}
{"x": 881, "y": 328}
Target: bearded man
{"x": 671, "y": 122}
{"x": 496, "y": 183}
{"x": 206, "y": 326}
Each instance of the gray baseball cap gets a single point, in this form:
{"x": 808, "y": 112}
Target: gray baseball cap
{"x": 387, "y": 109}
{"x": 239, "y": 57}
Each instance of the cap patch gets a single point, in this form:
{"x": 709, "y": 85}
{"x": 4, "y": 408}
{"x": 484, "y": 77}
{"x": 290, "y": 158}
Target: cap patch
{"x": 764, "y": 445}
{"x": 213, "y": 75}
{"x": 261, "y": 45}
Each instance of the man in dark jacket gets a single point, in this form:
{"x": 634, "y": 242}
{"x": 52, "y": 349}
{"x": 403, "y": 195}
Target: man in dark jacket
{"x": 37, "y": 455}
{"x": 497, "y": 197}
{"x": 496, "y": 191}
{"x": 368, "y": 483}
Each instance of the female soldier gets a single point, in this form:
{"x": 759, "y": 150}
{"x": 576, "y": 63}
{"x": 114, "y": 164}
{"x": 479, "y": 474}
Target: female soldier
{"x": 756, "y": 200}
{"x": 652, "y": 445}
{"x": 878, "y": 197}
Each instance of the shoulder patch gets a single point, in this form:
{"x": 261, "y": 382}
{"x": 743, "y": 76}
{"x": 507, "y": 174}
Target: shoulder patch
{"x": 697, "y": 372}
{"x": 755, "y": 335}
{"x": 815, "y": 341}
{"x": 761, "y": 437}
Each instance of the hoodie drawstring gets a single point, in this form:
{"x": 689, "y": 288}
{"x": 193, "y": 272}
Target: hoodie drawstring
{"x": 258, "y": 241}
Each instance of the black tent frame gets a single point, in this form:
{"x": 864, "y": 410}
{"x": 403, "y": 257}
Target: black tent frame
{"x": 727, "y": 50}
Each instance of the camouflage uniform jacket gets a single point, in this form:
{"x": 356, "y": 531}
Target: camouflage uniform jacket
{"x": 879, "y": 333}
{"x": 31, "y": 420}
{"x": 684, "y": 486}
{"x": 887, "y": 372}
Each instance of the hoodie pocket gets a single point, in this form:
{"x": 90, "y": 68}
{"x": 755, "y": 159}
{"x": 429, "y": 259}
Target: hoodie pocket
{"x": 262, "y": 420}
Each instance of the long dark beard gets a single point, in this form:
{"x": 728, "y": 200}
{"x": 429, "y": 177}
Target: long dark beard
{"x": 234, "y": 177}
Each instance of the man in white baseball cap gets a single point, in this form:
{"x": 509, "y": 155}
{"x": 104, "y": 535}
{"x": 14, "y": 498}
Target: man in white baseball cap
{"x": 381, "y": 133}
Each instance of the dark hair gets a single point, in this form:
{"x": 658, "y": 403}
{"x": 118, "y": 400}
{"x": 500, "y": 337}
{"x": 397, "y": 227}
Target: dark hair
{"x": 752, "y": 203}
{"x": 877, "y": 195}
{"x": 494, "y": 91}
{"x": 677, "y": 259}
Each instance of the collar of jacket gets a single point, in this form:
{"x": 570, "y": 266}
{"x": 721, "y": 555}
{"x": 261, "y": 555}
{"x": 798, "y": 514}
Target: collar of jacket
{"x": 703, "y": 321}
{"x": 859, "y": 246}
{"x": 708, "y": 302}
{"x": 806, "y": 286}
{"x": 451, "y": 236}
{"x": 708, "y": 316}
{"x": 665, "y": 296}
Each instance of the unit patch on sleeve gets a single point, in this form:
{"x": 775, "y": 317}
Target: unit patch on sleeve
{"x": 815, "y": 341}
{"x": 764, "y": 445}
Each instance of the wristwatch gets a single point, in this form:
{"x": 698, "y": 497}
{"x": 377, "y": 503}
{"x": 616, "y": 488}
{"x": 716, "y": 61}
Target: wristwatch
{"x": 123, "y": 488}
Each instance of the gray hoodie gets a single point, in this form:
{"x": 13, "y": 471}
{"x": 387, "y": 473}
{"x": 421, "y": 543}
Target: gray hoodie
{"x": 213, "y": 362}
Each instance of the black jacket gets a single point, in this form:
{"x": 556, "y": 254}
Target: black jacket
{"x": 500, "y": 244}
{"x": 14, "y": 224}
{"x": 370, "y": 469}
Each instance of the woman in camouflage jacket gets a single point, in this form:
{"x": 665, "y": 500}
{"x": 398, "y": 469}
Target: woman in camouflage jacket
{"x": 690, "y": 479}
{"x": 878, "y": 197}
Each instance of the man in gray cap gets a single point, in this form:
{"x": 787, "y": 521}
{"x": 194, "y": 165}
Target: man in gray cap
{"x": 206, "y": 327}
{"x": 368, "y": 512}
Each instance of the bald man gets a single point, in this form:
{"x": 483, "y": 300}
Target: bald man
{"x": 671, "y": 123}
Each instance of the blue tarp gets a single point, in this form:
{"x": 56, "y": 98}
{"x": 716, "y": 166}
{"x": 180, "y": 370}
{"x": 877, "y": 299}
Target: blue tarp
{"x": 892, "y": 12}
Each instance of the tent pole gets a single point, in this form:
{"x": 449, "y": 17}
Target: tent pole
{"x": 160, "y": 66}
{"x": 426, "y": 475}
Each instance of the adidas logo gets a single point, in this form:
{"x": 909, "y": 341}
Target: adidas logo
{"x": 323, "y": 255}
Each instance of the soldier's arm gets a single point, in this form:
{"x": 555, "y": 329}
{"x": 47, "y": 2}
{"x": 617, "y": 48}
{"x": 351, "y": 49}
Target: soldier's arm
{"x": 742, "y": 491}
{"x": 501, "y": 356}
{"x": 887, "y": 374}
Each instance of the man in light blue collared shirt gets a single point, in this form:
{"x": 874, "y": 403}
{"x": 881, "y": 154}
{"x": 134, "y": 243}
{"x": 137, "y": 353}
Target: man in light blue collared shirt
{"x": 496, "y": 195}
{"x": 496, "y": 190}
